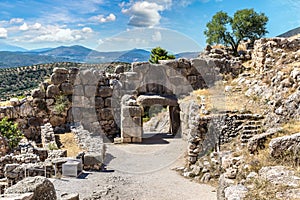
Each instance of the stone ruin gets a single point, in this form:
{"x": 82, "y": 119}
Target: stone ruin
{"x": 99, "y": 107}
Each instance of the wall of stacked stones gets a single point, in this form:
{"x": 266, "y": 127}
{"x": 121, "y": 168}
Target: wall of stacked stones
{"x": 207, "y": 133}
{"x": 268, "y": 51}
{"x": 91, "y": 97}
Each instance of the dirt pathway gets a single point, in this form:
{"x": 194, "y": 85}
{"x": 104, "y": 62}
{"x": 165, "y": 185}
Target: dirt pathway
{"x": 140, "y": 172}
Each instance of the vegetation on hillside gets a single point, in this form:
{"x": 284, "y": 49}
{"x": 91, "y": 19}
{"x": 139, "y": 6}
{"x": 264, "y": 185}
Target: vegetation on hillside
{"x": 11, "y": 131}
{"x": 19, "y": 81}
{"x": 230, "y": 31}
{"x": 159, "y": 53}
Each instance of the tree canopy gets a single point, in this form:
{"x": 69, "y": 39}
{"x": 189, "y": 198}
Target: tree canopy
{"x": 159, "y": 53}
{"x": 230, "y": 31}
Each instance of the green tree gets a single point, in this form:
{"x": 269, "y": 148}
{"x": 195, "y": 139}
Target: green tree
{"x": 245, "y": 24}
{"x": 11, "y": 131}
{"x": 159, "y": 53}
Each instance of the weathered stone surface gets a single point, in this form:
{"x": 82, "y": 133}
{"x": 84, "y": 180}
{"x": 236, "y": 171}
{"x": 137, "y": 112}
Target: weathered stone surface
{"x": 52, "y": 91}
{"x": 37, "y": 93}
{"x": 235, "y": 192}
{"x": 41, "y": 187}
{"x": 149, "y": 100}
{"x": 3, "y": 146}
{"x": 25, "y": 196}
{"x": 258, "y": 141}
{"x": 105, "y": 92}
{"x": 66, "y": 88}
{"x": 58, "y": 78}
{"x": 57, "y": 70}
{"x": 71, "y": 196}
{"x": 56, "y": 120}
{"x": 223, "y": 184}
{"x": 106, "y": 113}
{"x": 285, "y": 146}
{"x": 89, "y": 91}
{"x": 92, "y": 159}
{"x": 290, "y": 194}
{"x": 119, "y": 69}
{"x": 279, "y": 175}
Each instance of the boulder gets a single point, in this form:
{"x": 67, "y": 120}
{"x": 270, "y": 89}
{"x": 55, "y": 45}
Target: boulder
{"x": 66, "y": 88}
{"x": 285, "y": 146}
{"x": 119, "y": 69}
{"x": 258, "y": 141}
{"x": 58, "y": 78}
{"x": 93, "y": 161}
{"x": 41, "y": 187}
{"x": 279, "y": 175}
{"x": 56, "y": 120}
{"x": 37, "y": 93}
{"x": 235, "y": 192}
{"x": 60, "y": 70}
{"x": 52, "y": 91}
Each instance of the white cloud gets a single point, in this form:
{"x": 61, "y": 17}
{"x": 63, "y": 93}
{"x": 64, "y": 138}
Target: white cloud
{"x": 3, "y": 33}
{"x": 16, "y": 20}
{"x": 87, "y": 30}
{"x": 54, "y": 33}
{"x": 102, "y": 19}
{"x": 24, "y": 27}
{"x": 144, "y": 14}
{"x": 156, "y": 37}
{"x": 36, "y": 26}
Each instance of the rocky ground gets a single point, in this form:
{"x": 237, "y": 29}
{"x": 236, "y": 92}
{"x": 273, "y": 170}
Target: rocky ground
{"x": 139, "y": 171}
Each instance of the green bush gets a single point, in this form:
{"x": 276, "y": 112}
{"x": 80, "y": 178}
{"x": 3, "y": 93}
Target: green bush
{"x": 11, "y": 131}
{"x": 61, "y": 104}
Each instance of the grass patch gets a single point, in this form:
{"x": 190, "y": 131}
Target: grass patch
{"x": 69, "y": 143}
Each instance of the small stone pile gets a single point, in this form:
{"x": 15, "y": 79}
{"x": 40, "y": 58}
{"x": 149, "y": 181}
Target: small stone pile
{"x": 48, "y": 137}
{"x": 3, "y": 146}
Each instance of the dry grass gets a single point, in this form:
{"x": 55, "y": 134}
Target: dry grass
{"x": 291, "y": 127}
{"x": 5, "y": 103}
{"x": 68, "y": 143}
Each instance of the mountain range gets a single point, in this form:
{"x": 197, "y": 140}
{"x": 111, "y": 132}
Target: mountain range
{"x": 13, "y": 56}
{"x": 290, "y": 33}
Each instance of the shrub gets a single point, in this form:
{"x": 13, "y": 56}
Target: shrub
{"x": 61, "y": 104}
{"x": 11, "y": 131}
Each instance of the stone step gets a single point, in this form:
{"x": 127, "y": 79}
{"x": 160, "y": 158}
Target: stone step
{"x": 253, "y": 123}
{"x": 251, "y": 127}
{"x": 250, "y": 132}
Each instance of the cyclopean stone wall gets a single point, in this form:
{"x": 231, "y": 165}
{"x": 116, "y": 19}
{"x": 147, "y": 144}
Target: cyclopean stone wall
{"x": 92, "y": 97}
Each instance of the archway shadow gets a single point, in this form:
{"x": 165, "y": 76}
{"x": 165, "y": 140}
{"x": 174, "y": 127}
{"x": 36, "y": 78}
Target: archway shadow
{"x": 156, "y": 138}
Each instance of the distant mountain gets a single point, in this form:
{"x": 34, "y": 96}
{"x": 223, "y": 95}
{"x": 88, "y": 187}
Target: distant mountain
{"x": 74, "y": 53}
{"x": 7, "y": 47}
{"x": 187, "y": 55}
{"x": 77, "y": 54}
{"x": 290, "y": 33}
{"x": 15, "y": 59}
{"x": 39, "y": 50}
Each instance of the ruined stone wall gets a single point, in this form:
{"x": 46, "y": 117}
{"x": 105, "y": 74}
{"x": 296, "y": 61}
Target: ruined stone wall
{"x": 269, "y": 52}
{"x": 92, "y": 97}
{"x": 209, "y": 132}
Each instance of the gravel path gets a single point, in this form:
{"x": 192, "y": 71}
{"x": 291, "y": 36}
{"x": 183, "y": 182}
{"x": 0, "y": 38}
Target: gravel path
{"x": 139, "y": 172}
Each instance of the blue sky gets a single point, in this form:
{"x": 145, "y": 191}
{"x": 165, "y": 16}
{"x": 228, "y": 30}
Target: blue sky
{"x": 108, "y": 25}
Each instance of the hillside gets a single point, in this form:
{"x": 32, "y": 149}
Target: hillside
{"x": 20, "y": 81}
{"x": 290, "y": 33}
{"x": 16, "y": 59}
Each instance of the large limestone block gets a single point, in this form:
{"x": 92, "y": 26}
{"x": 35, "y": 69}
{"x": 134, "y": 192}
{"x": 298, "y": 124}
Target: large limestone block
{"x": 41, "y": 187}
{"x": 285, "y": 146}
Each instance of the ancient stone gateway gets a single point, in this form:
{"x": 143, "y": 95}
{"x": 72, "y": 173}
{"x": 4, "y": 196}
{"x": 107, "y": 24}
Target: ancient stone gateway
{"x": 155, "y": 84}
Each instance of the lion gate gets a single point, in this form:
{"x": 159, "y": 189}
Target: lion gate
{"x": 156, "y": 84}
